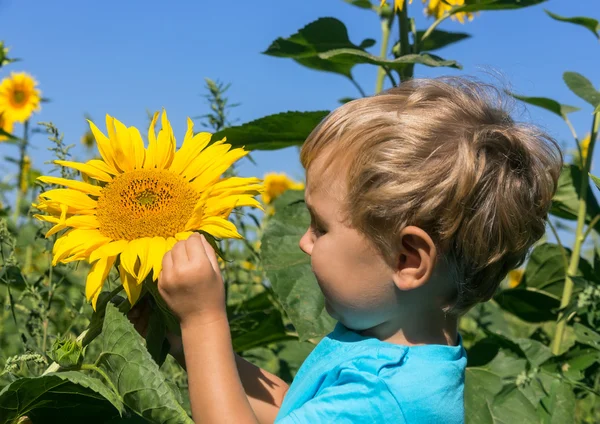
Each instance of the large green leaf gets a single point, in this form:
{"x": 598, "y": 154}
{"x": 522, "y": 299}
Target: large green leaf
{"x": 583, "y": 87}
{"x": 135, "y": 375}
{"x": 586, "y": 335}
{"x": 52, "y": 397}
{"x": 256, "y": 323}
{"x": 319, "y": 36}
{"x": 565, "y": 203}
{"x": 439, "y": 38}
{"x": 559, "y": 406}
{"x": 354, "y": 56}
{"x": 289, "y": 269}
{"x": 274, "y": 131}
{"x": 589, "y": 23}
{"x": 548, "y": 104}
{"x": 573, "y": 363}
{"x": 479, "y": 5}
{"x": 512, "y": 406}
{"x": 529, "y": 304}
{"x": 545, "y": 270}
{"x": 596, "y": 180}
{"x": 324, "y": 45}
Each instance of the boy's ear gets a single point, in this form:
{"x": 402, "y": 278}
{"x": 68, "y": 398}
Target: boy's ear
{"x": 415, "y": 259}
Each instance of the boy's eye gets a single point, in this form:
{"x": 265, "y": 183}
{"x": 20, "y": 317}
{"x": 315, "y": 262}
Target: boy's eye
{"x": 316, "y": 231}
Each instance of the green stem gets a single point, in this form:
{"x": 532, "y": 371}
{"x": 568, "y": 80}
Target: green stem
{"x": 579, "y": 238}
{"x": 563, "y": 251}
{"x": 22, "y": 153}
{"x": 92, "y": 367}
{"x": 404, "y": 28}
{"x": 385, "y": 39}
{"x": 590, "y": 227}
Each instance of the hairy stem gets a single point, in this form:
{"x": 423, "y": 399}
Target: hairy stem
{"x": 385, "y": 39}
{"x": 579, "y": 239}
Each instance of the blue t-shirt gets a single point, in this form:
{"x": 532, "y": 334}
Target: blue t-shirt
{"x": 349, "y": 378}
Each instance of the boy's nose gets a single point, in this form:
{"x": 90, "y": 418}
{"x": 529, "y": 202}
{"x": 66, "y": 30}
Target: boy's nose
{"x": 306, "y": 243}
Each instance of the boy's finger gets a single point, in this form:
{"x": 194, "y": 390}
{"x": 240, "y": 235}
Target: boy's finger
{"x": 167, "y": 263}
{"x": 179, "y": 256}
{"x": 210, "y": 252}
{"x": 194, "y": 248}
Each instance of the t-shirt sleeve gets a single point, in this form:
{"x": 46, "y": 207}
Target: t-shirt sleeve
{"x": 356, "y": 397}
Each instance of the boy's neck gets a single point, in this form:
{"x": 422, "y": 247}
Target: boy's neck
{"x": 436, "y": 328}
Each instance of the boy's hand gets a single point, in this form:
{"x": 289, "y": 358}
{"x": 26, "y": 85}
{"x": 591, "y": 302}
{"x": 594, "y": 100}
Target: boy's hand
{"x": 191, "y": 284}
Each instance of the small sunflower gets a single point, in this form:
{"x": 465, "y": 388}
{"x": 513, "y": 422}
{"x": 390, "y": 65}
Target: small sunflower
{"x": 398, "y": 4}
{"x": 6, "y": 125}
{"x": 276, "y": 184}
{"x": 19, "y": 97}
{"x": 145, "y": 200}
{"x": 514, "y": 278}
{"x": 437, "y": 8}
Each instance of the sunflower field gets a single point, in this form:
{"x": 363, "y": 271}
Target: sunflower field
{"x": 82, "y": 242}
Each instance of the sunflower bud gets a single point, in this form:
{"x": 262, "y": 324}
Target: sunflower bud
{"x": 67, "y": 352}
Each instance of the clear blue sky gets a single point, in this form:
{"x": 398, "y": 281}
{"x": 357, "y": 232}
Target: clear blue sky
{"x": 123, "y": 57}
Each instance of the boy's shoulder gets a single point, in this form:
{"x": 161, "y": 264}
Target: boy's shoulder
{"x": 350, "y": 374}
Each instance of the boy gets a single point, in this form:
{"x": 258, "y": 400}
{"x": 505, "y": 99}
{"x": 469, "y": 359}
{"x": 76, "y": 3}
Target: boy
{"x": 422, "y": 199}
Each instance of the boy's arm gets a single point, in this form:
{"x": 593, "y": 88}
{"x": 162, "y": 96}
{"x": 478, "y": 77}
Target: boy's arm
{"x": 223, "y": 385}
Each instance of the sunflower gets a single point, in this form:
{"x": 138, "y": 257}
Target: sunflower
{"x": 515, "y": 277}
{"x": 5, "y": 125}
{"x": 145, "y": 200}
{"x": 437, "y": 8}
{"x": 398, "y": 4}
{"x": 276, "y": 184}
{"x": 18, "y": 97}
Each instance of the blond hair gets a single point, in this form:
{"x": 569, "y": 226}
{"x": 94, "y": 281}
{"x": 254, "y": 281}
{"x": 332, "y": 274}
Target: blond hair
{"x": 444, "y": 155}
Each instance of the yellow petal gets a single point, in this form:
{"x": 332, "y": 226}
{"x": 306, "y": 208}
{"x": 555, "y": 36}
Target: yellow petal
{"x": 190, "y": 149}
{"x": 77, "y": 244}
{"x": 111, "y": 249}
{"x": 87, "y": 169}
{"x": 104, "y": 147}
{"x": 138, "y": 147}
{"x": 217, "y": 206}
{"x": 124, "y": 147}
{"x": 143, "y": 252}
{"x": 75, "y": 185}
{"x": 205, "y": 159}
{"x": 75, "y": 200}
{"x": 132, "y": 288}
{"x": 158, "y": 248}
{"x": 214, "y": 172}
{"x": 219, "y": 228}
{"x": 102, "y": 166}
{"x": 171, "y": 241}
{"x": 129, "y": 258}
{"x": 237, "y": 185}
{"x": 184, "y": 235}
{"x": 96, "y": 277}
{"x": 151, "y": 152}
{"x": 165, "y": 144}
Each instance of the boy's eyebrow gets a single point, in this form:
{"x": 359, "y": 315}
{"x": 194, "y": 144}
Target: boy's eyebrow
{"x": 312, "y": 211}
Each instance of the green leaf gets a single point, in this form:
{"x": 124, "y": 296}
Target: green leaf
{"x": 289, "y": 269}
{"x": 596, "y": 180}
{"x": 528, "y": 304}
{"x": 135, "y": 375}
{"x": 559, "y": 406}
{"x": 573, "y": 362}
{"x": 355, "y": 56}
{"x": 367, "y": 42}
{"x": 256, "y": 323}
{"x": 565, "y": 203}
{"x": 363, "y": 4}
{"x": 439, "y": 38}
{"x": 548, "y": 104}
{"x": 480, "y": 388}
{"x": 589, "y": 23}
{"x": 49, "y": 397}
{"x": 322, "y": 35}
{"x": 586, "y": 335}
{"x": 535, "y": 352}
{"x": 545, "y": 270}
{"x": 479, "y": 5}
{"x": 156, "y": 336}
{"x": 274, "y": 131}
{"x": 324, "y": 45}
{"x": 8, "y": 135}
{"x": 582, "y": 87}
{"x": 512, "y": 406}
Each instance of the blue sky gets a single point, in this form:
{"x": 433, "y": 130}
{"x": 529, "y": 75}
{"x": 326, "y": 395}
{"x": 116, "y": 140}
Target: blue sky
{"x": 124, "y": 57}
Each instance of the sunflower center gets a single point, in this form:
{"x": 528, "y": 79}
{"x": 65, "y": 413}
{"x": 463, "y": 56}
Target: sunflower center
{"x": 19, "y": 96}
{"x": 145, "y": 203}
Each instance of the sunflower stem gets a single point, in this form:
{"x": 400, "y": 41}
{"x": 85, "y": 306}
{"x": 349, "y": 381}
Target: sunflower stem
{"x": 386, "y": 25}
{"x": 404, "y": 28}
{"x": 579, "y": 239}
{"x": 22, "y": 154}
